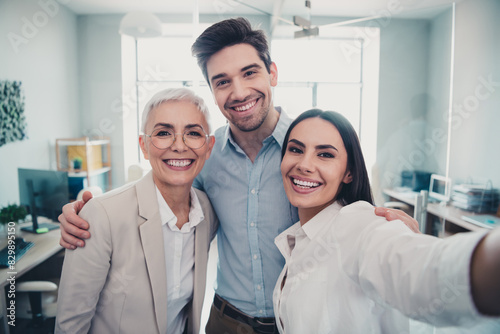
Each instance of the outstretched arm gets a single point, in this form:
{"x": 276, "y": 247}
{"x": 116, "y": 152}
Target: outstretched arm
{"x": 393, "y": 214}
{"x": 485, "y": 274}
{"x": 74, "y": 228}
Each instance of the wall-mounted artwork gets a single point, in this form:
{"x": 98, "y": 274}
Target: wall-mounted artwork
{"x": 12, "y": 119}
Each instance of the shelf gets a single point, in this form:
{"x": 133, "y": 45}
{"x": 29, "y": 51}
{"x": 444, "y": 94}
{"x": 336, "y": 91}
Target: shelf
{"x": 96, "y": 160}
{"x": 77, "y": 142}
{"x": 83, "y": 173}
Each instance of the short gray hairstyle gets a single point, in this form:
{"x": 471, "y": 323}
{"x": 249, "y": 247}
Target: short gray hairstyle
{"x": 175, "y": 94}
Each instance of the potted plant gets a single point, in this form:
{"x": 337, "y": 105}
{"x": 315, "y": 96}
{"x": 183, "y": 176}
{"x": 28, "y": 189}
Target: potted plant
{"x": 12, "y": 118}
{"x": 77, "y": 163}
{"x": 12, "y": 213}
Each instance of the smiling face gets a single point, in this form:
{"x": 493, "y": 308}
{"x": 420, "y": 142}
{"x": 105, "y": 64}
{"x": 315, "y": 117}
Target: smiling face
{"x": 177, "y": 165}
{"x": 314, "y": 166}
{"x": 241, "y": 86}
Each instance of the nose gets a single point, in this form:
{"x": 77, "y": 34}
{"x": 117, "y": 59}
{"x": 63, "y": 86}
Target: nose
{"x": 178, "y": 145}
{"x": 306, "y": 164}
{"x": 240, "y": 91}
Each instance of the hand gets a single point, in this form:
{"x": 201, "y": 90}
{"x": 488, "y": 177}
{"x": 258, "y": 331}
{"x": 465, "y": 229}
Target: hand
{"x": 393, "y": 214}
{"x": 74, "y": 228}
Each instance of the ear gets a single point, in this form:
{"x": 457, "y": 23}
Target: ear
{"x": 142, "y": 144}
{"x": 347, "y": 177}
{"x": 274, "y": 75}
{"x": 211, "y": 143}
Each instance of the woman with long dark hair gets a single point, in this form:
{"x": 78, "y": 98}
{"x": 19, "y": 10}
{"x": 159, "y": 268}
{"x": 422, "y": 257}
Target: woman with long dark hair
{"x": 349, "y": 271}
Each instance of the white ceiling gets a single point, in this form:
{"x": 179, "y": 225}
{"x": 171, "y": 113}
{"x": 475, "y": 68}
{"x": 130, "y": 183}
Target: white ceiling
{"x": 350, "y": 8}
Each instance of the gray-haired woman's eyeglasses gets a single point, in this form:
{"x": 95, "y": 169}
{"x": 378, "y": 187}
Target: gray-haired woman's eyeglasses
{"x": 163, "y": 138}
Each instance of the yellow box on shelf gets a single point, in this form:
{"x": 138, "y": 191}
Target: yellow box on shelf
{"x": 93, "y": 157}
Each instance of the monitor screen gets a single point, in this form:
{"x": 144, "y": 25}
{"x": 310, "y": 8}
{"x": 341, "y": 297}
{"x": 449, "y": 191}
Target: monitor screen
{"x": 440, "y": 187}
{"x": 47, "y": 189}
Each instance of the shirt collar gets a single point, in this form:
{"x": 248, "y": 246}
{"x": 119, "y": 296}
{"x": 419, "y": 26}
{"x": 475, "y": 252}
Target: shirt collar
{"x": 168, "y": 217}
{"x": 278, "y": 133}
{"x": 324, "y": 217}
{"x": 287, "y": 240}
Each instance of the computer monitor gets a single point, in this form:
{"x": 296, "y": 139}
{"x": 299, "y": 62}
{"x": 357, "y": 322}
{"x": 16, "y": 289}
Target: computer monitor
{"x": 440, "y": 188}
{"x": 43, "y": 192}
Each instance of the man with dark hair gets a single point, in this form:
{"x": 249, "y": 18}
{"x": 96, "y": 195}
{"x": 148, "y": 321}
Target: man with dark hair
{"x": 235, "y": 31}
{"x": 242, "y": 178}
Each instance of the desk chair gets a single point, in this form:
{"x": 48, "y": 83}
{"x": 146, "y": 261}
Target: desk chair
{"x": 95, "y": 190}
{"x": 135, "y": 172}
{"x": 42, "y": 304}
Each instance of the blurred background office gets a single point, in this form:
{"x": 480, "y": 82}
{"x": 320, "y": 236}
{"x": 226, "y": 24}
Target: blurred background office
{"x": 419, "y": 80}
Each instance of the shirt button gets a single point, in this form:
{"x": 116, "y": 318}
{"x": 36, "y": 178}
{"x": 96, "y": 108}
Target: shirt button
{"x": 252, "y": 224}
{"x": 253, "y": 191}
{"x": 259, "y": 287}
{"x": 255, "y": 257}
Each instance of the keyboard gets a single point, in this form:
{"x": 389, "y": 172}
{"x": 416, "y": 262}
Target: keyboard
{"x": 21, "y": 247}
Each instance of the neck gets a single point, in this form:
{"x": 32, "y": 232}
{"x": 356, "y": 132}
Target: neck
{"x": 251, "y": 141}
{"x": 178, "y": 199}
{"x": 306, "y": 214}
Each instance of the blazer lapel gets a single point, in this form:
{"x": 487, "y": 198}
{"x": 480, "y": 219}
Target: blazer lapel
{"x": 202, "y": 237}
{"x": 152, "y": 243}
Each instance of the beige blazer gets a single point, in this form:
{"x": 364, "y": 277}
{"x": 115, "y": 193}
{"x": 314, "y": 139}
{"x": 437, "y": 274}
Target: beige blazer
{"x": 117, "y": 283}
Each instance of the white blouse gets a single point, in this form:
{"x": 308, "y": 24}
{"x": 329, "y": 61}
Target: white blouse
{"x": 349, "y": 271}
{"x": 179, "y": 258}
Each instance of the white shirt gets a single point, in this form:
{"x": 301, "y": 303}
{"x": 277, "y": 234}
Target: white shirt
{"x": 179, "y": 259}
{"x": 349, "y": 271}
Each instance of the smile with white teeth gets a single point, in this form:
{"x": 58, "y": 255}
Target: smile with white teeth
{"x": 246, "y": 106}
{"x": 179, "y": 163}
{"x": 305, "y": 184}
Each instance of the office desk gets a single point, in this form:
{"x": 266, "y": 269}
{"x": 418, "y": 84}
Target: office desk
{"x": 449, "y": 215}
{"x": 46, "y": 245}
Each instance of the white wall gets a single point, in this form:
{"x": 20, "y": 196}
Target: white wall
{"x": 475, "y": 141}
{"x": 401, "y": 123}
{"x": 438, "y": 93}
{"x": 47, "y": 67}
{"x": 99, "y": 68}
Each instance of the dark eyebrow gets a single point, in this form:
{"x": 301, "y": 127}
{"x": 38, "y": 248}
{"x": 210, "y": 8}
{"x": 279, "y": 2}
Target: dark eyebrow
{"x": 190, "y": 126}
{"x": 170, "y": 126}
{"x": 255, "y": 65}
{"x": 318, "y": 147}
{"x": 218, "y": 76}
{"x": 323, "y": 147}
{"x": 246, "y": 68}
{"x": 165, "y": 125}
{"x": 301, "y": 144}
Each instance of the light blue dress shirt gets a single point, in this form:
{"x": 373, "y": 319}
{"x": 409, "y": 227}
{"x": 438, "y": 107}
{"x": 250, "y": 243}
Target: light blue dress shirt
{"x": 253, "y": 209}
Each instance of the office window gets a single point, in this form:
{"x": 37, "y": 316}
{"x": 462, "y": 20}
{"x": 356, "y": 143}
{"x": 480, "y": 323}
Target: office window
{"x": 314, "y": 73}
{"x": 334, "y": 71}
